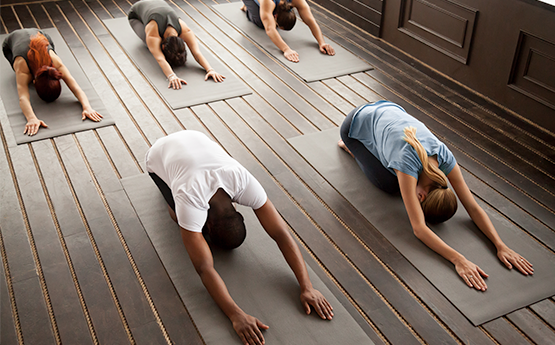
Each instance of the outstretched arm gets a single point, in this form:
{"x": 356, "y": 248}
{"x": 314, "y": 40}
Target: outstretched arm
{"x": 88, "y": 111}
{"x": 153, "y": 41}
{"x": 509, "y": 257}
{"x": 308, "y": 19}
{"x": 190, "y": 39}
{"x": 246, "y": 326}
{"x": 277, "y": 229}
{"x": 267, "y": 18}
{"x": 23, "y": 77}
{"x": 468, "y": 271}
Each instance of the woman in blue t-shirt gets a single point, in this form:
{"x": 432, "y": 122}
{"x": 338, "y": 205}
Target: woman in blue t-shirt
{"x": 398, "y": 153}
{"x": 269, "y": 14}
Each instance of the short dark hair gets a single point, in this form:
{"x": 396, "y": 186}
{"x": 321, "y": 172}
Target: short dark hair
{"x": 174, "y": 51}
{"x": 228, "y": 231}
{"x": 285, "y": 16}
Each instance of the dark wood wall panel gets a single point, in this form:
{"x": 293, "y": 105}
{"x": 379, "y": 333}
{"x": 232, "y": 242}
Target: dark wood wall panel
{"x": 366, "y": 14}
{"x": 442, "y": 25}
{"x": 502, "y": 49}
{"x": 534, "y": 69}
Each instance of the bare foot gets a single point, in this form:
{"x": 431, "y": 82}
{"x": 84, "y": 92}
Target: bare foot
{"x": 341, "y": 144}
{"x": 244, "y": 8}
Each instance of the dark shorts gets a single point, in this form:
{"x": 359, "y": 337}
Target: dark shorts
{"x": 370, "y": 164}
{"x": 164, "y": 189}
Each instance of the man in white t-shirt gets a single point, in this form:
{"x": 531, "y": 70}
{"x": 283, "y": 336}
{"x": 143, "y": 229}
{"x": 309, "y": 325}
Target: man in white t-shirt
{"x": 200, "y": 181}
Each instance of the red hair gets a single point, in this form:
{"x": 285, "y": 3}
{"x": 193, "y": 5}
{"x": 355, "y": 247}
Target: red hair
{"x": 47, "y": 78}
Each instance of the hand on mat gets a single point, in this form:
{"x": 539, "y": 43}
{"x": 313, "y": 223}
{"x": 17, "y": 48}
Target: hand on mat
{"x": 327, "y": 49}
{"x": 91, "y": 114}
{"x": 248, "y": 329}
{"x": 291, "y": 55}
{"x": 175, "y": 82}
{"x": 509, "y": 256}
{"x": 314, "y": 298}
{"x": 33, "y": 125}
{"x": 471, "y": 274}
{"x": 218, "y": 78}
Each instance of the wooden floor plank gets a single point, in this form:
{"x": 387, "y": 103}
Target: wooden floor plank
{"x": 103, "y": 313}
{"x": 324, "y": 91}
{"x": 7, "y": 325}
{"x": 161, "y": 291}
{"x": 111, "y": 7}
{"x": 504, "y": 332}
{"x": 9, "y": 18}
{"x": 533, "y": 327}
{"x": 546, "y": 310}
{"x": 24, "y": 16}
{"x": 40, "y": 16}
{"x": 70, "y": 320}
{"x": 29, "y": 299}
{"x": 124, "y": 160}
{"x": 112, "y": 257}
{"x": 351, "y": 97}
{"x": 35, "y": 325}
{"x": 272, "y": 116}
{"x": 2, "y": 27}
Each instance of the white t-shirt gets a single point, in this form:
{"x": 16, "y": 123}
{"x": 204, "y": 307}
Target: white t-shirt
{"x": 194, "y": 167}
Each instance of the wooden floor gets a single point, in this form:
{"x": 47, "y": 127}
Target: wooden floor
{"x": 79, "y": 268}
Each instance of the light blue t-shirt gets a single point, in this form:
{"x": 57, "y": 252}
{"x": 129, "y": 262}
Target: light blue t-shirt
{"x": 379, "y": 126}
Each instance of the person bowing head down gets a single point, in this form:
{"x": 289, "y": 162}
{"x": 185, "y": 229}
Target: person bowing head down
{"x": 165, "y": 35}
{"x": 272, "y": 14}
{"x": 33, "y": 58}
{"x": 398, "y": 153}
{"x": 200, "y": 182}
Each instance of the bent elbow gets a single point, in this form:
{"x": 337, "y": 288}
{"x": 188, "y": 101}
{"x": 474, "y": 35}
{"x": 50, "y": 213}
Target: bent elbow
{"x": 418, "y": 232}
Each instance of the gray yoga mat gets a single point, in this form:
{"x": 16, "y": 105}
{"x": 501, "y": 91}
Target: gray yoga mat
{"x": 312, "y": 65}
{"x": 507, "y": 291}
{"x": 197, "y": 91}
{"x": 257, "y": 276}
{"x": 62, "y": 116}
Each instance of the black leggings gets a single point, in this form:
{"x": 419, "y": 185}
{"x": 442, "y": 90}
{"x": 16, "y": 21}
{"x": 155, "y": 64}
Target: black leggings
{"x": 370, "y": 164}
{"x": 164, "y": 189}
{"x": 253, "y": 12}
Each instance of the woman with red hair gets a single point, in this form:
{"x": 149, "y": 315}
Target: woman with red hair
{"x": 32, "y": 56}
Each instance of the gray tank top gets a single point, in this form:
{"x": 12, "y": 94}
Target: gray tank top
{"x": 157, "y": 10}
{"x": 17, "y": 44}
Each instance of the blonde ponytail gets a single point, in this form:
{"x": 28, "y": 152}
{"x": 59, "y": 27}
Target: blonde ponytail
{"x": 441, "y": 203}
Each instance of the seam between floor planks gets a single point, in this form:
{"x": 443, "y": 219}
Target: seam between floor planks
{"x": 64, "y": 246}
